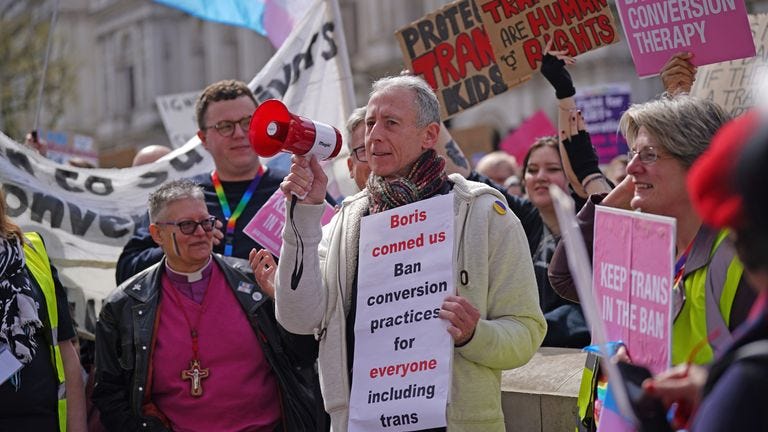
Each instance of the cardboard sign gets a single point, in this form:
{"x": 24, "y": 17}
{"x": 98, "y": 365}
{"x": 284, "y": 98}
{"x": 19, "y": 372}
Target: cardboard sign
{"x": 519, "y": 30}
{"x": 267, "y": 224}
{"x": 521, "y": 139}
{"x": 403, "y": 351}
{"x": 450, "y": 50}
{"x": 475, "y": 141}
{"x": 632, "y": 279}
{"x": 602, "y": 107}
{"x": 735, "y": 85}
{"x": 658, "y": 29}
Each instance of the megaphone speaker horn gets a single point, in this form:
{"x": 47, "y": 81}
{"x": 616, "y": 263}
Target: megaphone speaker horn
{"x": 273, "y": 129}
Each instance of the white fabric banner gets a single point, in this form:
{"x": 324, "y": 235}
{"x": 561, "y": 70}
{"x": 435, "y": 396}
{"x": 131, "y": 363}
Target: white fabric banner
{"x": 85, "y": 214}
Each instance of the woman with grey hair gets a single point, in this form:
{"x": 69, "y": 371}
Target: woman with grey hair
{"x": 710, "y": 296}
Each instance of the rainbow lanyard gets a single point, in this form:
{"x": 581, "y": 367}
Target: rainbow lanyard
{"x": 231, "y": 217}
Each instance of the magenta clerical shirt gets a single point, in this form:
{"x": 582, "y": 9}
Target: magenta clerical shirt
{"x": 241, "y": 392}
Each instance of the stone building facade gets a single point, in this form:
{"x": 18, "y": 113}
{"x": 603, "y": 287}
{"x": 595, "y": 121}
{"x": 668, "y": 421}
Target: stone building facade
{"x": 128, "y": 52}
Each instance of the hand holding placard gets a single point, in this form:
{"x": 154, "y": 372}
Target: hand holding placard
{"x": 679, "y": 74}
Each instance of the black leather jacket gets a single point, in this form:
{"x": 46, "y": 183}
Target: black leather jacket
{"x": 124, "y": 337}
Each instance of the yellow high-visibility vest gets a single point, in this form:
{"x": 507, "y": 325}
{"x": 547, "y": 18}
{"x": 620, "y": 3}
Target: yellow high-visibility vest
{"x": 39, "y": 266}
{"x": 709, "y": 295}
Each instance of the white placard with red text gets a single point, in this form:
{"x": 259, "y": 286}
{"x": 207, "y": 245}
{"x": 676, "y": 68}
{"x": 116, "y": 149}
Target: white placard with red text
{"x": 403, "y": 352}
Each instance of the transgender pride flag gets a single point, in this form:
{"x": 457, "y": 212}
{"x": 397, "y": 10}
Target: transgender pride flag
{"x": 272, "y": 18}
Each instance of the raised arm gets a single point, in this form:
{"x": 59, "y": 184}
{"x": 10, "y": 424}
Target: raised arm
{"x": 300, "y": 297}
{"x": 579, "y": 158}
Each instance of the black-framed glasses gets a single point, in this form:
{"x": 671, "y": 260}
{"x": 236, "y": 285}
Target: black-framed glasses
{"x": 359, "y": 153}
{"x": 189, "y": 227}
{"x": 648, "y": 155}
{"x": 226, "y": 128}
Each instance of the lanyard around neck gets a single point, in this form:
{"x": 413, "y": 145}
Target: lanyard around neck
{"x": 680, "y": 264}
{"x": 229, "y": 215}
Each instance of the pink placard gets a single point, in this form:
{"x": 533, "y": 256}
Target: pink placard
{"x": 713, "y": 30}
{"x": 266, "y": 227}
{"x": 520, "y": 140}
{"x": 632, "y": 280}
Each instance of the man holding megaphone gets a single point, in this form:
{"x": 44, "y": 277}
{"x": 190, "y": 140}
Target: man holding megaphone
{"x": 494, "y": 319}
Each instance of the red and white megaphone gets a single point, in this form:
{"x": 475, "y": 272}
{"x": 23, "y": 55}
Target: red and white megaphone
{"x": 273, "y": 129}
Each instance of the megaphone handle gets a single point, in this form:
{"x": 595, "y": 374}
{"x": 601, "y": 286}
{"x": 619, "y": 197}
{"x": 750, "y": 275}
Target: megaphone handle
{"x": 300, "y": 197}
{"x": 312, "y": 179}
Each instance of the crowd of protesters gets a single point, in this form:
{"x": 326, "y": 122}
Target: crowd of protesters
{"x": 207, "y": 330}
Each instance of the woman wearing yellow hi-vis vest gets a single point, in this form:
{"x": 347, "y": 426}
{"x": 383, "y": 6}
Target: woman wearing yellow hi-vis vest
{"x": 710, "y": 296}
{"x": 41, "y": 387}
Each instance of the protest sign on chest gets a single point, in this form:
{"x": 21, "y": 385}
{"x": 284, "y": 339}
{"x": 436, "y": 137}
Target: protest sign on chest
{"x": 403, "y": 352}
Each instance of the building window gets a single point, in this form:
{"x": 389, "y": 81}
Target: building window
{"x": 125, "y": 79}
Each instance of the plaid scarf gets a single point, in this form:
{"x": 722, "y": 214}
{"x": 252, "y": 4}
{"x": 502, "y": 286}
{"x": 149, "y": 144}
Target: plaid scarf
{"x": 426, "y": 179}
{"x": 19, "y": 322}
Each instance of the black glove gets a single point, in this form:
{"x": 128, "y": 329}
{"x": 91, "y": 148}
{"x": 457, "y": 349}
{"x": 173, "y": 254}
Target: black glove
{"x": 554, "y": 71}
{"x": 582, "y": 155}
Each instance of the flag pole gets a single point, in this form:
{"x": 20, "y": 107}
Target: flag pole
{"x": 347, "y": 87}
{"x": 54, "y": 17}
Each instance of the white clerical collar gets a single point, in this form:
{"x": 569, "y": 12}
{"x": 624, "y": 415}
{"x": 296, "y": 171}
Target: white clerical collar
{"x": 189, "y": 277}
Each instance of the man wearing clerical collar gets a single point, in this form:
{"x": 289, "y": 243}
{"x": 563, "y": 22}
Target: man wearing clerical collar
{"x": 191, "y": 343}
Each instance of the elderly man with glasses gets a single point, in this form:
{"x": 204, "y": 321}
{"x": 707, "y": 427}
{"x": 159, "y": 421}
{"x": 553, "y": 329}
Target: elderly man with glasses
{"x": 192, "y": 343}
{"x": 236, "y": 189}
{"x": 357, "y": 161}
{"x": 494, "y": 319}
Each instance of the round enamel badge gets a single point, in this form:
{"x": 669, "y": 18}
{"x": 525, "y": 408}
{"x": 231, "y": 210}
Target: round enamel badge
{"x": 500, "y": 207}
